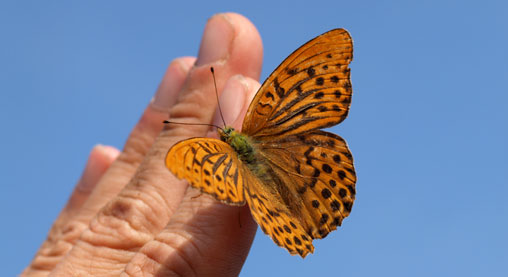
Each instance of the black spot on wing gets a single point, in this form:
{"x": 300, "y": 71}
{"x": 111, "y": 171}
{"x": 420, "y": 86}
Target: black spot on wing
{"x": 292, "y": 71}
{"x": 270, "y": 95}
{"x": 351, "y": 189}
{"x": 326, "y": 168}
{"x": 324, "y": 219}
{"x": 341, "y": 174}
{"x": 326, "y": 193}
{"x": 335, "y": 205}
{"x": 311, "y": 72}
{"x": 315, "y": 203}
{"x": 342, "y": 193}
{"x": 319, "y": 95}
{"x": 322, "y": 109}
{"x": 336, "y": 158}
{"x": 278, "y": 89}
{"x": 332, "y": 183}
{"x": 297, "y": 241}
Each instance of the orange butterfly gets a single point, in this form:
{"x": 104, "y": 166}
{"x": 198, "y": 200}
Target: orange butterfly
{"x": 299, "y": 181}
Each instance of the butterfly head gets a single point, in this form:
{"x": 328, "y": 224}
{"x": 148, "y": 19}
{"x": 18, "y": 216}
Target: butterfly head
{"x": 226, "y": 133}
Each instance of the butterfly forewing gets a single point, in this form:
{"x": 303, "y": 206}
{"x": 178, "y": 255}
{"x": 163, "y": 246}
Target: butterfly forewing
{"x": 209, "y": 165}
{"x": 310, "y": 90}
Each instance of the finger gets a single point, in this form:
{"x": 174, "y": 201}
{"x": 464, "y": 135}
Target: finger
{"x": 204, "y": 237}
{"x": 140, "y": 139}
{"x": 67, "y": 229}
{"x": 171, "y": 84}
{"x": 144, "y": 207}
{"x": 98, "y": 162}
{"x": 101, "y": 158}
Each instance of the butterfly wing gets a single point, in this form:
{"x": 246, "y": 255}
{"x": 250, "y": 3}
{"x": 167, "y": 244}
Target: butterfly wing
{"x": 209, "y": 165}
{"x": 274, "y": 219}
{"x": 310, "y": 90}
{"x": 318, "y": 173}
{"x": 212, "y": 166}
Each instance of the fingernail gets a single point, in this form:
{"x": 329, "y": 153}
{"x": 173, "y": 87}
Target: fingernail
{"x": 165, "y": 97}
{"x": 109, "y": 152}
{"x": 231, "y": 100}
{"x": 100, "y": 158}
{"x": 216, "y": 40}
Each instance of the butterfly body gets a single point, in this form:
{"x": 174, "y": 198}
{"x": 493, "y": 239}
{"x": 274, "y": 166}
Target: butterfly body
{"x": 255, "y": 162}
{"x": 241, "y": 143}
{"x": 298, "y": 180}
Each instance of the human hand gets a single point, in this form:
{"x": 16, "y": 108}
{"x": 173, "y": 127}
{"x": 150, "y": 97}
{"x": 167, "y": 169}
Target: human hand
{"x": 131, "y": 216}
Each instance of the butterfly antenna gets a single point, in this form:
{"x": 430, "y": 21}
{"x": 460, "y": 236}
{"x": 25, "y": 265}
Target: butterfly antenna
{"x": 184, "y": 123}
{"x": 217, "y": 95}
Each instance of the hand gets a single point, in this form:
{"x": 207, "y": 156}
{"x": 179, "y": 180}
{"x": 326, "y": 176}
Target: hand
{"x": 129, "y": 214}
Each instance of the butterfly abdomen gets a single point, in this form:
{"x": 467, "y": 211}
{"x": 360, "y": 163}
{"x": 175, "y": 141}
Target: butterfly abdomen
{"x": 257, "y": 164}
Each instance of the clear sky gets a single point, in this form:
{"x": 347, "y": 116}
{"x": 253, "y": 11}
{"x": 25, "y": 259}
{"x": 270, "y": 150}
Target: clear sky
{"x": 428, "y": 125}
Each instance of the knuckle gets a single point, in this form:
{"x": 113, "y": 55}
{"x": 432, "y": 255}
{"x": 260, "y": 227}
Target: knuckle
{"x": 72, "y": 231}
{"x": 118, "y": 225}
{"x": 60, "y": 241}
{"x": 127, "y": 222}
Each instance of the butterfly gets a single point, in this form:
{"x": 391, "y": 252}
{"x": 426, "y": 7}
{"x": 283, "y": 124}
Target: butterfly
{"x": 298, "y": 180}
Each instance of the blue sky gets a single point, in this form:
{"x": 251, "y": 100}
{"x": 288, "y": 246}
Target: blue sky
{"x": 427, "y": 127}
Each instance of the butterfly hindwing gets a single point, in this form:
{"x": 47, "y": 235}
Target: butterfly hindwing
{"x": 275, "y": 220}
{"x": 317, "y": 169}
{"x": 209, "y": 165}
{"x": 310, "y": 90}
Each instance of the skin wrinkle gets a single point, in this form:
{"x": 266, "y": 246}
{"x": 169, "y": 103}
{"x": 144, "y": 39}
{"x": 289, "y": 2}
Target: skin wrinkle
{"x": 138, "y": 269}
{"x": 178, "y": 134}
{"x": 195, "y": 103}
{"x": 135, "y": 154}
{"x": 145, "y": 209}
{"x": 136, "y": 149}
{"x": 197, "y": 231}
{"x": 128, "y": 161}
{"x": 154, "y": 211}
{"x": 100, "y": 256}
{"x": 174, "y": 240}
{"x": 151, "y": 189}
{"x": 98, "y": 236}
{"x": 46, "y": 262}
{"x": 69, "y": 235}
{"x": 49, "y": 256}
